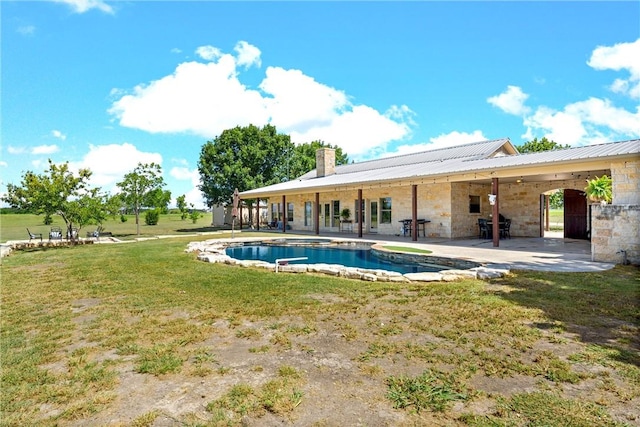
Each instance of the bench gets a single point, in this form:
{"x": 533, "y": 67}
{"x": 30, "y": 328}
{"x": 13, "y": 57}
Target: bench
{"x": 33, "y": 236}
{"x": 55, "y": 233}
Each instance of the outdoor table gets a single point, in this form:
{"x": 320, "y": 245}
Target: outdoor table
{"x": 500, "y": 225}
{"x": 407, "y": 226}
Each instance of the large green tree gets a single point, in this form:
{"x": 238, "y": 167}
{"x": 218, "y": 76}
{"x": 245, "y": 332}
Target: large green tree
{"x": 244, "y": 158}
{"x": 59, "y": 191}
{"x": 303, "y": 158}
{"x": 536, "y": 145}
{"x": 140, "y": 187}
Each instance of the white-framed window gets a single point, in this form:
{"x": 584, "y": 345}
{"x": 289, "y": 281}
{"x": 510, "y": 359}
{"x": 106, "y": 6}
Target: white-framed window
{"x": 308, "y": 213}
{"x": 385, "y": 210}
{"x": 289, "y": 212}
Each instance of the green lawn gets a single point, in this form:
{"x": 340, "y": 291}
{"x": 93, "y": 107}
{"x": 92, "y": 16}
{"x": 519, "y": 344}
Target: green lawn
{"x": 79, "y": 324}
{"x": 13, "y": 226}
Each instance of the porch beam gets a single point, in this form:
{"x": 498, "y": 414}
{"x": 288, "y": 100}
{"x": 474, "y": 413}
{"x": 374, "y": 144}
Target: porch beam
{"x": 496, "y": 213}
{"x": 414, "y": 212}
{"x": 360, "y": 213}
{"x": 257, "y": 214}
{"x": 316, "y": 214}
{"x": 284, "y": 213}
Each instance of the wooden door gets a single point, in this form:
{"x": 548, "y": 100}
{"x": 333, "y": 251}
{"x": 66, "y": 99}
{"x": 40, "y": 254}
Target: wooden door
{"x": 575, "y": 215}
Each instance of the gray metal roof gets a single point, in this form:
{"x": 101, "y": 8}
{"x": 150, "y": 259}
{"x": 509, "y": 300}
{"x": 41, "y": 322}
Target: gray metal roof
{"x": 468, "y": 158}
{"x": 475, "y": 150}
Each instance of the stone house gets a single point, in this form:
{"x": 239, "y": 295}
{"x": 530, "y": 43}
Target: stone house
{"x": 442, "y": 193}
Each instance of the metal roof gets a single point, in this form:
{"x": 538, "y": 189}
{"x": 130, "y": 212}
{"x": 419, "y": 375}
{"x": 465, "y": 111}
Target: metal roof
{"x": 469, "y": 158}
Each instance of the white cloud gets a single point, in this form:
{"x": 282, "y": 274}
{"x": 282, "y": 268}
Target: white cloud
{"x": 27, "y": 30}
{"x": 589, "y": 121}
{"x": 58, "y": 134}
{"x": 584, "y": 122}
{"x": 559, "y": 126}
{"x": 203, "y": 99}
{"x": 16, "y": 150}
{"x": 194, "y": 195}
{"x": 621, "y": 56}
{"x": 82, "y": 6}
{"x": 3, "y": 164}
{"x": 184, "y": 173}
{"x": 248, "y": 54}
{"x": 109, "y": 163}
{"x": 511, "y": 101}
{"x": 176, "y": 50}
{"x": 45, "y": 149}
{"x": 208, "y": 53}
{"x": 207, "y": 98}
{"x": 442, "y": 141}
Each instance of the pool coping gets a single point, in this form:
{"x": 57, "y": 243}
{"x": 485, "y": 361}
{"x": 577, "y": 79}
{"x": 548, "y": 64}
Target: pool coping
{"x": 213, "y": 251}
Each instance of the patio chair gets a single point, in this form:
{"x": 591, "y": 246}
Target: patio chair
{"x": 55, "y": 233}
{"x": 73, "y": 235}
{"x": 506, "y": 230}
{"x": 484, "y": 231}
{"x": 33, "y": 236}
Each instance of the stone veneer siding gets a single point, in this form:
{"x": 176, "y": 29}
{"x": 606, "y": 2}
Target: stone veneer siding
{"x": 626, "y": 182}
{"x": 446, "y": 205}
{"x": 615, "y": 228}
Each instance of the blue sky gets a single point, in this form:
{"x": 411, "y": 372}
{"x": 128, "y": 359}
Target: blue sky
{"x": 106, "y": 85}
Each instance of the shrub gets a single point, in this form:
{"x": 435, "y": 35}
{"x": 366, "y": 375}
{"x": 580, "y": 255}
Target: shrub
{"x": 151, "y": 217}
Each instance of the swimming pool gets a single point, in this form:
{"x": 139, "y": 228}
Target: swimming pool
{"x": 359, "y": 256}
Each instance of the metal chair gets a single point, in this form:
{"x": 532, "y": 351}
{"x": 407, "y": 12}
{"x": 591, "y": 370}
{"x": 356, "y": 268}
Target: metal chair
{"x": 484, "y": 229}
{"x": 506, "y": 230}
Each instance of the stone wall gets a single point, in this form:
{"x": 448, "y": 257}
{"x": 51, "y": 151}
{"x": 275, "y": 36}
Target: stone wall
{"x": 626, "y": 182}
{"x": 433, "y": 204}
{"x": 615, "y": 231}
{"x": 446, "y": 205}
{"x": 521, "y": 203}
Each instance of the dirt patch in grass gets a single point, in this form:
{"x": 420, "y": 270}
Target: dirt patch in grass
{"x": 344, "y": 374}
{"x": 159, "y": 339}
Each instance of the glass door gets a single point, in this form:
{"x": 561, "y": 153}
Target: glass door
{"x": 373, "y": 217}
{"x": 327, "y": 215}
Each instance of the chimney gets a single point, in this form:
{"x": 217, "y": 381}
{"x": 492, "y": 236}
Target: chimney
{"x": 325, "y": 162}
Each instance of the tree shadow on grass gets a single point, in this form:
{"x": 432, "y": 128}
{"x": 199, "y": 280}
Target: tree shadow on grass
{"x": 600, "y": 308}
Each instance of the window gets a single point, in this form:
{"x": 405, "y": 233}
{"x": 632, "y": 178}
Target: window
{"x": 336, "y": 213}
{"x": 289, "y": 211}
{"x": 385, "y": 210}
{"x": 474, "y": 204}
{"x": 275, "y": 211}
{"x": 327, "y": 215}
{"x": 307, "y": 214}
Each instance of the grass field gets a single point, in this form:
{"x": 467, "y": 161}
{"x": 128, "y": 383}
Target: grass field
{"x": 13, "y": 226}
{"x": 143, "y": 333}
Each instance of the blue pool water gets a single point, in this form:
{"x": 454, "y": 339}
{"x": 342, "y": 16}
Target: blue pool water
{"x": 357, "y": 257}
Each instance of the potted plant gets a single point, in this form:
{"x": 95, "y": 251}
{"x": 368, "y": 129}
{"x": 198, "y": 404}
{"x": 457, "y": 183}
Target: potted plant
{"x": 599, "y": 189}
{"x": 345, "y": 214}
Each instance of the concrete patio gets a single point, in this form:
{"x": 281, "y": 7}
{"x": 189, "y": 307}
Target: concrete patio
{"x": 551, "y": 253}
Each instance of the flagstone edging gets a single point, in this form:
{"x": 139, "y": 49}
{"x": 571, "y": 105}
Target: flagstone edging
{"x": 214, "y": 251}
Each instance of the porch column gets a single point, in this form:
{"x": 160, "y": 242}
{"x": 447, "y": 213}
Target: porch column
{"x": 414, "y": 212}
{"x": 496, "y": 213}
{"x": 360, "y": 213}
{"x": 240, "y": 205}
{"x": 257, "y": 214}
{"x": 316, "y": 214}
{"x": 284, "y": 213}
